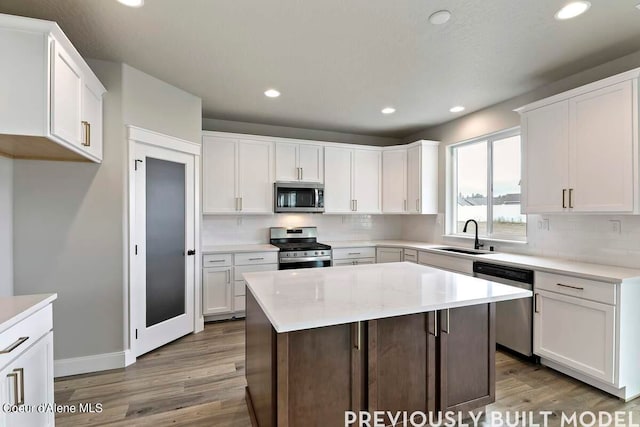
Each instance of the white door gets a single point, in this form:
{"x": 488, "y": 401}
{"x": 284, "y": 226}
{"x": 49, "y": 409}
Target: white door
{"x": 255, "y": 178}
{"x": 367, "y": 165}
{"x": 545, "y": 138}
{"x": 310, "y": 161}
{"x": 164, "y": 281}
{"x": 217, "y": 290}
{"x": 219, "y": 174}
{"x": 394, "y": 181}
{"x": 414, "y": 174}
{"x": 337, "y": 180}
{"x": 287, "y": 162}
{"x": 92, "y": 119}
{"x": 601, "y": 149}
{"x": 66, "y": 97}
{"x": 576, "y": 333}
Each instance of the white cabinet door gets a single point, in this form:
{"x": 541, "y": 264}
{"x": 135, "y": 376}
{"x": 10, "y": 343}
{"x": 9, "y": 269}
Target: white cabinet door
{"x": 310, "y": 161}
{"x": 286, "y": 162}
{"x": 28, "y": 380}
{"x": 219, "y": 175}
{"x": 255, "y": 178}
{"x": 337, "y": 181}
{"x": 413, "y": 179}
{"x": 66, "y": 97}
{"x": 92, "y": 120}
{"x": 601, "y": 149}
{"x": 384, "y": 255}
{"x": 217, "y": 290}
{"x": 545, "y": 136}
{"x": 576, "y": 333}
{"x": 394, "y": 181}
{"x": 367, "y": 178}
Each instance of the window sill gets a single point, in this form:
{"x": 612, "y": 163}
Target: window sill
{"x": 483, "y": 239}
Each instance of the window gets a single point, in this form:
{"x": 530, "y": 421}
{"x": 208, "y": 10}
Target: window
{"x": 486, "y": 187}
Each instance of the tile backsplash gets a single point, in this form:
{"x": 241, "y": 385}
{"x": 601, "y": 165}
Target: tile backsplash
{"x": 601, "y": 239}
{"x": 232, "y": 229}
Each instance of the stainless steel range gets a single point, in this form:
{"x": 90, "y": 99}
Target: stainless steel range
{"x": 299, "y": 248}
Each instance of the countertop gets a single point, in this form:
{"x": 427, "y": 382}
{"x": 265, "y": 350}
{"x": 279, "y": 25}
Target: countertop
{"x": 606, "y": 273}
{"x": 14, "y": 309}
{"x": 310, "y": 298}
{"x": 218, "y": 249}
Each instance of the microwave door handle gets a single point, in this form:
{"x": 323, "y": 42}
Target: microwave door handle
{"x": 317, "y": 193}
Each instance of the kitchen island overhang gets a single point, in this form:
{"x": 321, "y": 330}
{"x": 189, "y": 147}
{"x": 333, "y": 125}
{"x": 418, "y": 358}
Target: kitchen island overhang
{"x": 397, "y": 336}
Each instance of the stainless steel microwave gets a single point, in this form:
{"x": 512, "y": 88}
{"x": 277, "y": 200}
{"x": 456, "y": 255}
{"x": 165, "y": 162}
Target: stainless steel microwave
{"x": 301, "y": 197}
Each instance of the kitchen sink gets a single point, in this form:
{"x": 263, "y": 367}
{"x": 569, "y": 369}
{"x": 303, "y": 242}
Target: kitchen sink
{"x": 462, "y": 250}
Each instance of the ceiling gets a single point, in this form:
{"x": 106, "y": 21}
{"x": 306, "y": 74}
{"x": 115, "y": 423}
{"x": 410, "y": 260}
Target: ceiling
{"x": 338, "y": 63}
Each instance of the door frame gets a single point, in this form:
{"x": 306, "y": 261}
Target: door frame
{"x": 136, "y": 135}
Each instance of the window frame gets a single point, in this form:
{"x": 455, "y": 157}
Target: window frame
{"x": 452, "y": 185}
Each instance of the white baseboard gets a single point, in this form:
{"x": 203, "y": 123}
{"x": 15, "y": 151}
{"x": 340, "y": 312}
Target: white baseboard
{"x": 94, "y": 363}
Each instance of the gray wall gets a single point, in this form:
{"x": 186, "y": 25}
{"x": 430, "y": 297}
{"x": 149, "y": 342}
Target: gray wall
{"x": 6, "y": 227}
{"x": 70, "y": 218}
{"x": 297, "y": 133}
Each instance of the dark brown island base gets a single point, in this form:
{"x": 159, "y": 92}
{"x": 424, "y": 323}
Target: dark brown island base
{"x": 436, "y": 361}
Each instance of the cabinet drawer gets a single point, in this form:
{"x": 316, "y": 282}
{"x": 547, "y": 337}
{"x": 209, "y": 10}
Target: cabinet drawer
{"x": 256, "y": 258}
{"x": 241, "y": 269}
{"x": 359, "y": 261}
{"x": 384, "y": 255}
{"x": 352, "y": 253}
{"x": 217, "y": 260}
{"x": 239, "y": 288}
{"x": 577, "y": 287}
{"x": 239, "y": 303}
{"x": 446, "y": 262}
{"x": 32, "y": 328}
{"x": 410, "y": 255}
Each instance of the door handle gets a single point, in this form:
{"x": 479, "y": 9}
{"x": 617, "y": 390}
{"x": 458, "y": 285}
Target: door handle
{"x": 564, "y": 195}
{"x": 191, "y": 252}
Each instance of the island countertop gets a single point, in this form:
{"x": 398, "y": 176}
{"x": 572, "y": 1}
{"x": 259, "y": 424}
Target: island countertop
{"x": 310, "y": 298}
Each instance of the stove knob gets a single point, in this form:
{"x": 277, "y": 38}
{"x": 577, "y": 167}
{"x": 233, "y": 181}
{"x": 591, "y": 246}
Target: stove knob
{"x": 316, "y": 253}
{"x": 322, "y": 253}
{"x": 295, "y": 254}
{"x": 305, "y": 254}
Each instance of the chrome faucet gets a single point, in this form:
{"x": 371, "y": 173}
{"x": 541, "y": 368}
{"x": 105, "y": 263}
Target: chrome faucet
{"x": 476, "y": 243}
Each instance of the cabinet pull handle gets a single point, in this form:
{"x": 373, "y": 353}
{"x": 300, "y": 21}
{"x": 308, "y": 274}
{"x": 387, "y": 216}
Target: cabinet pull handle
{"x": 16, "y": 399}
{"x": 535, "y": 303}
{"x": 256, "y": 259}
{"x": 236, "y": 200}
{"x": 358, "y": 338}
{"x": 216, "y": 260}
{"x": 448, "y": 323}
{"x": 240, "y": 203}
{"x": 15, "y": 345}
{"x": 301, "y": 174}
{"x": 571, "y": 198}
{"x": 577, "y": 288}
{"x": 564, "y": 196}
{"x": 86, "y": 138}
{"x": 20, "y": 372}
{"x": 88, "y": 134}
{"x": 435, "y": 324}
{"x": 354, "y": 253}
{"x": 298, "y": 173}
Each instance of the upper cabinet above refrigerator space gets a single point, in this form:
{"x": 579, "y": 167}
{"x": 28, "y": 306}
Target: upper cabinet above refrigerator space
{"x": 52, "y": 101}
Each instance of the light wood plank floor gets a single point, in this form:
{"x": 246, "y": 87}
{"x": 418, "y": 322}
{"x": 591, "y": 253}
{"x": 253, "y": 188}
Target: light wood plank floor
{"x": 199, "y": 381}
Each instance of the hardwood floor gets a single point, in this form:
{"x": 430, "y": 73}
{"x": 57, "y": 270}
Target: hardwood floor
{"x": 199, "y": 381}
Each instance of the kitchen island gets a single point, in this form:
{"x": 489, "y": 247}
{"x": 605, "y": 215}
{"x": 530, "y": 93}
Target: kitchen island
{"x": 390, "y": 337}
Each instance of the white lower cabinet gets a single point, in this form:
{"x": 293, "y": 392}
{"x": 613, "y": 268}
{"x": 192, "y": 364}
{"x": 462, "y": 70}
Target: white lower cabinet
{"x": 384, "y": 255}
{"x": 217, "y": 290}
{"x": 27, "y": 383}
{"x": 410, "y": 255}
{"x": 576, "y": 332}
{"x": 354, "y": 256}
{"x": 239, "y": 285}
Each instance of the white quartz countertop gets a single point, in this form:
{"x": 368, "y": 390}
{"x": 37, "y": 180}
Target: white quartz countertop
{"x": 14, "y": 309}
{"x": 218, "y": 249}
{"x": 606, "y": 273}
{"x": 311, "y": 298}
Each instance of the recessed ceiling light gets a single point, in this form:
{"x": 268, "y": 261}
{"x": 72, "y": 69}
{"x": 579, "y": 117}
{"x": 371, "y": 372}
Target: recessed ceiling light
{"x": 388, "y": 110}
{"x": 573, "y": 9}
{"x": 638, "y": 6}
{"x": 132, "y": 3}
{"x": 440, "y": 17}
{"x": 456, "y": 109}
{"x": 271, "y": 93}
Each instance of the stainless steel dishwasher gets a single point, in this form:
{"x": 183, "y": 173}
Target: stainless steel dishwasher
{"x": 514, "y": 319}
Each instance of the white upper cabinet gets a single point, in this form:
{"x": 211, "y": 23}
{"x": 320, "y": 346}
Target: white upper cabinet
{"x": 237, "y": 175}
{"x": 52, "y": 101}
{"x": 394, "y": 181}
{"x": 352, "y": 180}
{"x": 579, "y": 149}
{"x": 422, "y": 177}
{"x": 299, "y": 162}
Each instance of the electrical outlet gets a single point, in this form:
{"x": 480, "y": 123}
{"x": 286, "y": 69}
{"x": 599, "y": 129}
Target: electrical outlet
{"x": 615, "y": 226}
{"x": 543, "y": 224}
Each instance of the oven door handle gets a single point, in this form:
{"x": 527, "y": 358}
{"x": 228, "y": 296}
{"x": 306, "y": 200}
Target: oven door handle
{"x": 303, "y": 259}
